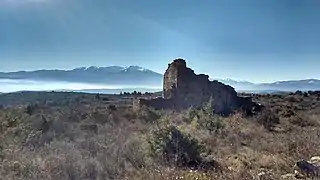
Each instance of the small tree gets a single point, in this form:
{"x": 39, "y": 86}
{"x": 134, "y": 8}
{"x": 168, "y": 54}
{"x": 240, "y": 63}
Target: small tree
{"x": 97, "y": 96}
{"x": 209, "y": 119}
{"x": 206, "y": 117}
{"x": 31, "y": 108}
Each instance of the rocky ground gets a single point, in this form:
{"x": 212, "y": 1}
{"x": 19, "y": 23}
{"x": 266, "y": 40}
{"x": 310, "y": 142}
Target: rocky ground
{"x": 87, "y": 136}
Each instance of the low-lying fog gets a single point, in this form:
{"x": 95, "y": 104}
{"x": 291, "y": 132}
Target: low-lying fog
{"x": 13, "y": 85}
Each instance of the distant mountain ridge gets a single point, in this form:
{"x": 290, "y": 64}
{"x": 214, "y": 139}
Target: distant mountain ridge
{"x": 112, "y": 75}
{"x": 137, "y": 76}
{"x": 113, "y": 69}
{"x": 290, "y": 85}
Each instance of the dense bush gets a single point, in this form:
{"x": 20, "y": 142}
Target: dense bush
{"x": 206, "y": 118}
{"x": 30, "y": 108}
{"x": 172, "y": 146}
{"x": 268, "y": 119}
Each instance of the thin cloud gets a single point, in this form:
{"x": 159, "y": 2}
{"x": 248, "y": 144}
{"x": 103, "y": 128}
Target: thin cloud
{"x": 24, "y": 2}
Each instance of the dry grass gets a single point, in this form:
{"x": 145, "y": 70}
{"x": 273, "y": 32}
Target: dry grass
{"x": 92, "y": 140}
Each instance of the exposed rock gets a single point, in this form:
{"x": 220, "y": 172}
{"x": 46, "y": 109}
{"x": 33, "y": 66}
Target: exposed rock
{"x": 310, "y": 168}
{"x": 305, "y": 169}
{"x": 182, "y": 88}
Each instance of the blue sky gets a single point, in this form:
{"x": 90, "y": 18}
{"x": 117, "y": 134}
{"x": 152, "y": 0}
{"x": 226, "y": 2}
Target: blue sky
{"x": 259, "y": 41}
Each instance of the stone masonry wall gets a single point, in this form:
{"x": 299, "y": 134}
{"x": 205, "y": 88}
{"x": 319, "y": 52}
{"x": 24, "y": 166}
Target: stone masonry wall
{"x": 182, "y": 88}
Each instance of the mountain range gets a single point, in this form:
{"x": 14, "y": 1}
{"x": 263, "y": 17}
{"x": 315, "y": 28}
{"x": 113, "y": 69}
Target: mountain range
{"x": 290, "y": 85}
{"x": 111, "y": 75}
{"x": 139, "y": 76}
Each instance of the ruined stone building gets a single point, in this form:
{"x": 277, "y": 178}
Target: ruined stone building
{"x": 182, "y": 88}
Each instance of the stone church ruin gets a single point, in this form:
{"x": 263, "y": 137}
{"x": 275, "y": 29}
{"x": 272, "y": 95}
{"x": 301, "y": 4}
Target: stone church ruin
{"x": 182, "y": 88}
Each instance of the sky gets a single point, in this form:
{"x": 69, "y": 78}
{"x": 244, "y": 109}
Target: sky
{"x": 258, "y": 41}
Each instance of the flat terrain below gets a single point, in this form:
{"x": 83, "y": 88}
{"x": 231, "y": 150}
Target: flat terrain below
{"x": 64, "y": 135}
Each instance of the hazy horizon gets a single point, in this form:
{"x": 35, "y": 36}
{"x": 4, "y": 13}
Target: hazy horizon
{"x": 11, "y": 85}
{"x": 16, "y": 85}
{"x": 257, "y": 41}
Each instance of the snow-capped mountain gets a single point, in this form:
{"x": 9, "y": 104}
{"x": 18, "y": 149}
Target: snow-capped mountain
{"x": 293, "y": 85}
{"x": 112, "y": 69}
{"x": 234, "y": 82}
{"x": 111, "y": 75}
{"x": 237, "y": 84}
{"x": 290, "y": 85}
{"x": 134, "y": 68}
{"x": 101, "y": 69}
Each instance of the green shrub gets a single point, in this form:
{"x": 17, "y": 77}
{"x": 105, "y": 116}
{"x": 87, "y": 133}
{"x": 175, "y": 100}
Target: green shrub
{"x": 206, "y": 118}
{"x": 171, "y": 146}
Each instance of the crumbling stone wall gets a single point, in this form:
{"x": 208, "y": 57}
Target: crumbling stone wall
{"x": 157, "y": 103}
{"x": 182, "y": 88}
